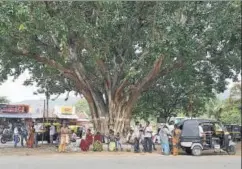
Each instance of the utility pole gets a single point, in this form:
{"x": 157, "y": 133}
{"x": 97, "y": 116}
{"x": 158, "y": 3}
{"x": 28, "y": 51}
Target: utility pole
{"x": 43, "y": 121}
{"x": 47, "y": 104}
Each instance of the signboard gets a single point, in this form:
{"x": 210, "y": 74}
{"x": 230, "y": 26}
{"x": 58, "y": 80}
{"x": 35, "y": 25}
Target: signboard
{"x": 7, "y": 108}
{"x": 66, "y": 110}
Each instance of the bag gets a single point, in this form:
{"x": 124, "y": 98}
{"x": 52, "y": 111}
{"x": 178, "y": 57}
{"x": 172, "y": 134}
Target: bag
{"x": 112, "y": 146}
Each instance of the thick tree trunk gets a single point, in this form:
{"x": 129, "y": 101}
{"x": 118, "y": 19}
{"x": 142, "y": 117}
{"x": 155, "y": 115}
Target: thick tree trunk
{"x": 117, "y": 118}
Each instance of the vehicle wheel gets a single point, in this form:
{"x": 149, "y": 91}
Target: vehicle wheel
{"x": 3, "y": 140}
{"x": 231, "y": 150}
{"x": 188, "y": 151}
{"x": 196, "y": 151}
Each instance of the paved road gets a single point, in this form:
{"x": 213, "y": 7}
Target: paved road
{"x": 65, "y": 161}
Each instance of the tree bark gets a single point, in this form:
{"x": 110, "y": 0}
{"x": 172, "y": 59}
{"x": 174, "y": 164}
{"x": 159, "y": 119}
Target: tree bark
{"x": 117, "y": 118}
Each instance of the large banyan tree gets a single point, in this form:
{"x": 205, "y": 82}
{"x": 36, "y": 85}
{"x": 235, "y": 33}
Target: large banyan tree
{"x": 111, "y": 52}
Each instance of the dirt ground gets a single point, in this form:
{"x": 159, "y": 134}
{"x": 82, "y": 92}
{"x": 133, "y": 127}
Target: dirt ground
{"x": 47, "y": 149}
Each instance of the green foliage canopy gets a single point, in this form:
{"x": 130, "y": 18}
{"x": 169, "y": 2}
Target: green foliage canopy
{"x": 107, "y": 50}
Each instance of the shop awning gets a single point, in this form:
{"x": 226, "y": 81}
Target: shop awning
{"x": 61, "y": 116}
{"x": 83, "y": 120}
{"x": 20, "y": 116}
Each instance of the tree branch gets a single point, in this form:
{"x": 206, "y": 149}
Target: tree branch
{"x": 154, "y": 74}
{"x": 44, "y": 60}
{"x": 151, "y": 75}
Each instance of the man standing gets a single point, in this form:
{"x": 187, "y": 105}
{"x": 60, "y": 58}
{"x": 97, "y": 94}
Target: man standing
{"x": 148, "y": 138}
{"x": 24, "y": 134}
{"x": 137, "y": 137}
{"x": 52, "y": 132}
{"x": 15, "y": 135}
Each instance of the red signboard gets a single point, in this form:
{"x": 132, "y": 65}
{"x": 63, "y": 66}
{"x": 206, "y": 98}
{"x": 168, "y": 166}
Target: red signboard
{"x": 7, "y": 108}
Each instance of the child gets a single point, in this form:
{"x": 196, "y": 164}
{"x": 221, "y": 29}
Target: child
{"x": 73, "y": 136}
{"x": 118, "y": 142}
{"x": 111, "y": 141}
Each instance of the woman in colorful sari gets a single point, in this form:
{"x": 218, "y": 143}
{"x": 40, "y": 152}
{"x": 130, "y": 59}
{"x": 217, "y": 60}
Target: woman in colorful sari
{"x": 30, "y": 141}
{"x": 97, "y": 145}
{"x": 64, "y": 138}
{"x": 176, "y": 140}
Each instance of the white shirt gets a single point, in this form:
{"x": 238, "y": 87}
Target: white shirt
{"x": 52, "y": 130}
{"x": 200, "y": 131}
{"x": 171, "y": 128}
{"x": 74, "y": 137}
{"x": 148, "y": 131}
{"x": 136, "y": 131}
{"x": 15, "y": 131}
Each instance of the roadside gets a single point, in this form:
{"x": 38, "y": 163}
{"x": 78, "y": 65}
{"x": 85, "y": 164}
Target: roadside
{"x": 52, "y": 150}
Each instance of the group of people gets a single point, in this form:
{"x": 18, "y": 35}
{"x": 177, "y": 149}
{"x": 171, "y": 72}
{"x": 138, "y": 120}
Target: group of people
{"x": 169, "y": 138}
{"x": 27, "y": 134}
{"x": 138, "y": 136}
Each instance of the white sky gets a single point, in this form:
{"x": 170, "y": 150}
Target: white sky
{"x": 15, "y": 91}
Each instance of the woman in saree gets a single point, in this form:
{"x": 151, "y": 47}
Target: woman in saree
{"x": 30, "y": 141}
{"x": 97, "y": 144}
{"x": 176, "y": 140}
{"x": 64, "y": 138}
{"x": 85, "y": 143}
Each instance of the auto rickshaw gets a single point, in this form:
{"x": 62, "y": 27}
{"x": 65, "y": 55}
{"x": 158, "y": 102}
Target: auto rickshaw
{"x": 235, "y": 131}
{"x": 214, "y": 137}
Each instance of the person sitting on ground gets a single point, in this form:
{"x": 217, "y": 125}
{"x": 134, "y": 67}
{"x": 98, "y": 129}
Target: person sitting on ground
{"x": 89, "y": 137}
{"x": 111, "y": 141}
{"x": 97, "y": 145}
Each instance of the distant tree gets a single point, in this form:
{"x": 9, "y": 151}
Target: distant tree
{"x": 214, "y": 108}
{"x": 235, "y": 92}
{"x": 82, "y": 106}
{"x": 3, "y": 99}
{"x": 171, "y": 94}
{"x": 231, "y": 113}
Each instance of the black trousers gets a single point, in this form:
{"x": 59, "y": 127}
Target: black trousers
{"x": 148, "y": 144}
{"x": 136, "y": 145}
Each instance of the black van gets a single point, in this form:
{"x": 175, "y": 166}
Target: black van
{"x": 215, "y": 136}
